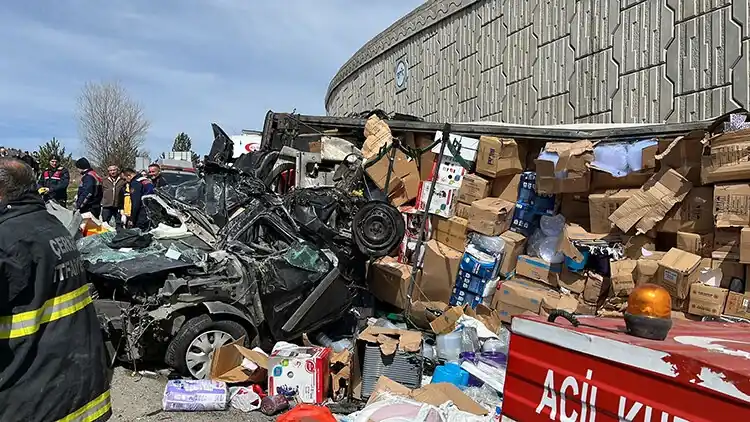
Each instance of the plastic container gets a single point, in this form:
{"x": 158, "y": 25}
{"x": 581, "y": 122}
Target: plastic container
{"x": 451, "y": 373}
{"x": 449, "y": 346}
{"x": 578, "y": 266}
{"x": 494, "y": 345}
{"x": 549, "y": 250}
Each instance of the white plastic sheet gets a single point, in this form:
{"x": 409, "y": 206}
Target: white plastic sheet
{"x": 392, "y": 408}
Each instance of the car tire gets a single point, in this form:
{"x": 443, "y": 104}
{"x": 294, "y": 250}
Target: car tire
{"x": 196, "y": 331}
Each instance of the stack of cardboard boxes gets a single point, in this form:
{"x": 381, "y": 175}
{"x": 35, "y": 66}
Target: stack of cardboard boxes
{"x": 680, "y": 212}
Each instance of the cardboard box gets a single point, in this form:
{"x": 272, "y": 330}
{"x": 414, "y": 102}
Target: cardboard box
{"x": 601, "y": 180}
{"x": 738, "y": 305}
{"x": 677, "y": 271}
{"x": 302, "y": 370}
{"x": 684, "y": 155}
{"x": 745, "y": 246}
{"x": 426, "y": 160}
{"x": 491, "y": 216}
{"x": 706, "y": 300}
{"x": 651, "y": 204}
{"x": 727, "y": 242}
{"x": 604, "y": 204}
{"x": 645, "y": 271}
{"x": 432, "y": 394}
{"x": 575, "y": 208}
{"x": 234, "y": 363}
{"x": 572, "y": 281}
{"x": 439, "y": 272}
{"x": 462, "y": 210}
{"x": 390, "y": 281}
{"x": 451, "y": 231}
{"x": 523, "y": 294}
{"x": 596, "y": 288}
{"x": 563, "y": 302}
{"x": 732, "y": 205}
{"x": 506, "y": 187}
{"x": 515, "y": 244}
{"x": 473, "y": 189}
{"x": 404, "y": 183}
{"x": 507, "y": 311}
{"x": 573, "y": 160}
{"x": 695, "y": 214}
{"x": 699, "y": 244}
{"x": 730, "y": 269}
{"x": 729, "y": 157}
{"x": 498, "y": 157}
{"x": 443, "y": 202}
{"x": 622, "y": 274}
{"x": 449, "y": 172}
{"x": 538, "y": 269}
{"x": 585, "y": 308}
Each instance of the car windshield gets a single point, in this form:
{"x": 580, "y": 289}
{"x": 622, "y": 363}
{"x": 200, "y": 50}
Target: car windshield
{"x": 178, "y": 178}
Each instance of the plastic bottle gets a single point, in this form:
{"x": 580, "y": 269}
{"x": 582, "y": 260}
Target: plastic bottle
{"x": 324, "y": 340}
{"x": 449, "y": 346}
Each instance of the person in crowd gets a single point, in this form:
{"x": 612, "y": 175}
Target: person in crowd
{"x": 55, "y": 180}
{"x": 133, "y": 211}
{"x": 89, "y": 197}
{"x": 112, "y": 187}
{"x": 53, "y": 363}
{"x": 154, "y": 173}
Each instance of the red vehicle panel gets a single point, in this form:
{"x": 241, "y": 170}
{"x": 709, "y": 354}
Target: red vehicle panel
{"x": 701, "y": 372}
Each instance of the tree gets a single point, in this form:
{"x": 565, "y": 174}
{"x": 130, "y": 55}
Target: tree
{"x": 182, "y": 143}
{"x": 112, "y": 125}
{"x": 53, "y": 148}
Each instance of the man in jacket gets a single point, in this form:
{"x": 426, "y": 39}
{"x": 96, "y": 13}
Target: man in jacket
{"x": 112, "y": 187}
{"x": 89, "y": 197}
{"x": 52, "y": 355}
{"x": 55, "y": 180}
{"x": 133, "y": 212}
{"x": 154, "y": 173}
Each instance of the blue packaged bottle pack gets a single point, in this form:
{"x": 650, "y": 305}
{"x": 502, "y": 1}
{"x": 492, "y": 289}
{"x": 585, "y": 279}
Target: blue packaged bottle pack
{"x": 525, "y": 220}
{"x": 527, "y": 188}
{"x": 479, "y": 263}
{"x": 462, "y": 297}
{"x": 470, "y": 282}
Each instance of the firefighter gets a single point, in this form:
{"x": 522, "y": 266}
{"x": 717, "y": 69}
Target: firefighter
{"x": 90, "y": 194}
{"x": 52, "y": 356}
{"x": 55, "y": 181}
{"x": 133, "y": 212}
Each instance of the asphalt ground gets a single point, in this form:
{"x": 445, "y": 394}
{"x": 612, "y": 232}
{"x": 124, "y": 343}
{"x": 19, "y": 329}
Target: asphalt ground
{"x": 138, "y": 397}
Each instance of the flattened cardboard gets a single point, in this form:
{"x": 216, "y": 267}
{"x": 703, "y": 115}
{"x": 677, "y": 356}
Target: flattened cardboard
{"x": 491, "y": 216}
{"x": 707, "y": 300}
{"x": 473, "y": 188}
{"x": 684, "y": 155}
{"x": 498, "y": 157}
{"x": 439, "y": 272}
{"x": 604, "y": 204}
{"x": 622, "y": 274}
{"x": 391, "y": 340}
{"x": 699, "y": 244}
{"x": 652, "y": 203}
{"x": 574, "y": 159}
{"x": 729, "y": 157}
{"x": 228, "y": 364}
{"x": 732, "y": 205}
{"x": 515, "y": 243}
{"x": 677, "y": 271}
{"x": 450, "y": 231}
{"x": 694, "y": 214}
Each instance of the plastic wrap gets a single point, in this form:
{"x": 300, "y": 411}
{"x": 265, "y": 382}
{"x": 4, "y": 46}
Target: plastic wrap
{"x": 494, "y": 245}
{"x": 612, "y": 158}
{"x": 635, "y": 153}
{"x": 194, "y": 396}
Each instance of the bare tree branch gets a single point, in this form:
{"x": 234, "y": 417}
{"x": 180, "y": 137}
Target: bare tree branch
{"x": 112, "y": 125}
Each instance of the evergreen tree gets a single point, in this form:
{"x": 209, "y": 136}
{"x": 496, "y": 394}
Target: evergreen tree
{"x": 53, "y": 148}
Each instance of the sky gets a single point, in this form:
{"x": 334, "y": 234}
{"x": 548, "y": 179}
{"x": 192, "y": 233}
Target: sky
{"x": 188, "y": 63}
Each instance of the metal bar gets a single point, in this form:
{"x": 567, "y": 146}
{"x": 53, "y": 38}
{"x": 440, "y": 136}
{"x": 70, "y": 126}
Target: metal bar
{"x": 423, "y": 221}
{"x": 391, "y": 160}
{"x": 514, "y": 131}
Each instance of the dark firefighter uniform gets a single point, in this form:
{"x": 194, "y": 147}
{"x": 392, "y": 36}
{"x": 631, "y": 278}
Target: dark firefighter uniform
{"x": 132, "y": 205}
{"x": 52, "y": 357}
{"x": 57, "y": 181}
{"x": 90, "y": 193}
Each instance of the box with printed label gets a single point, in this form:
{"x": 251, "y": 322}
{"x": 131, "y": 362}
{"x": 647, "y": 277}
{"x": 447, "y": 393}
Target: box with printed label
{"x": 449, "y": 171}
{"x": 470, "y": 282}
{"x": 738, "y": 305}
{"x": 443, "y": 200}
{"x": 498, "y": 157}
{"x": 462, "y": 297}
{"x": 451, "y": 231}
{"x": 473, "y": 189}
{"x": 677, "y": 271}
{"x": 538, "y": 269}
{"x": 300, "y": 371}
{"x": 707, "y": 300}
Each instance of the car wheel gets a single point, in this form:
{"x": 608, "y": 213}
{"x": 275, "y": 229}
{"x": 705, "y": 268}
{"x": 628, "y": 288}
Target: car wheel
{"x": 378, "y": 228}
{"x": 191, "y": 350}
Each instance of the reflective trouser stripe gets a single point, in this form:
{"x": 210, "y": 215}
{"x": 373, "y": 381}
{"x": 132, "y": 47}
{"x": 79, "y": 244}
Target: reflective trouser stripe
{"x": 92, "y": 411}
{"x": 27, "y": 323}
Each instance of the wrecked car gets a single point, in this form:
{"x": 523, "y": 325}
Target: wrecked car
{"x": 230, "y": 259}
